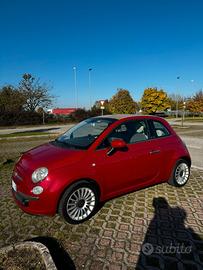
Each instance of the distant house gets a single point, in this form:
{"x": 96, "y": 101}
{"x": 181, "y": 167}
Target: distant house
{"x": 62, "y": 111}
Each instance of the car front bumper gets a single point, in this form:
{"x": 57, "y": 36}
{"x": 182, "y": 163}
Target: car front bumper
{"x": 23, "y": 198}
{"x": 43, "y": 204}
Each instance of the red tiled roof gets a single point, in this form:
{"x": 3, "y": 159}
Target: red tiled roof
{"x": 63, "y": 110}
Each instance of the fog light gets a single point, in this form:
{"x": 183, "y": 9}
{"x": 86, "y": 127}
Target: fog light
{"x": 37, "y": 190}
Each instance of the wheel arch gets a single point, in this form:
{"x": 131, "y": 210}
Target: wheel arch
{"x": 173, "y": 162}
{"x": 186, "y": 158}
{"x": 172, "y": 181}
{"x": 78, "y": 181}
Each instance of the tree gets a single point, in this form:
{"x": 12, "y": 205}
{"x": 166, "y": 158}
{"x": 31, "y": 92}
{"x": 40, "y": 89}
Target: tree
{"x": 35, "y": 93}
{"x": 79, "y": 115}
{"x": 11, "y": 100}
{"x": 122, "y": 102}
{"x": 195, "y": 104}
{"x": 40, "y": 110}
{"x": 176, "y": 102}
{"x": 154, "y": 100}
{"x": 96, "y": 108}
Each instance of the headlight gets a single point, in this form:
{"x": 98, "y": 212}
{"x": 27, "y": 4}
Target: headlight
{"x": 37, "y": 190}
{"x": 39, "y": 174}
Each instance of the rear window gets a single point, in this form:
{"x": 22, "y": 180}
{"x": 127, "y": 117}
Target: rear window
{"x": 160, "y": 129}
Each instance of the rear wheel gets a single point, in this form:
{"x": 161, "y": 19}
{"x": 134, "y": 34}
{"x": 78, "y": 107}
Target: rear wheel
{"x": 180, "y": 174}
{"x": 79, "y": 202}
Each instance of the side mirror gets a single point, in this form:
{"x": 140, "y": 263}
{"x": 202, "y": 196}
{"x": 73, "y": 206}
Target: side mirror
{"x": 116, "y": 144}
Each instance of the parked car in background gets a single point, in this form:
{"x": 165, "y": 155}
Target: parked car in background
{"x": 160, "y": 114}
{"x": 97, "y": 160}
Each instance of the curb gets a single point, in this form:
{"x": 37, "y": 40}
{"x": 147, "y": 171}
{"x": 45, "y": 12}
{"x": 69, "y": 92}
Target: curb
{"x": 42, "y": 249}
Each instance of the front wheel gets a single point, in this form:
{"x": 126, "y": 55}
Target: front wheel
{"x": 180, "y": 174}
{"x": 78, "y": 203}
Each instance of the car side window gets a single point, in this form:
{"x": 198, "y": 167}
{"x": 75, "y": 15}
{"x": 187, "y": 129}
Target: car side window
{"x": 160, "y": 129}
{"x": 131, "y": 132}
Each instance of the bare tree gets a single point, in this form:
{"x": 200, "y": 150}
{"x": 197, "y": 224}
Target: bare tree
{"x": 35, "y": 93}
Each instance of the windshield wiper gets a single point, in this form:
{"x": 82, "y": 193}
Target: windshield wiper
{"x": 69, "y": 144}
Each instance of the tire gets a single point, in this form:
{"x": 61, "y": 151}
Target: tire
{"x": 79, "y": 202}
{"x": 180, "y": 174}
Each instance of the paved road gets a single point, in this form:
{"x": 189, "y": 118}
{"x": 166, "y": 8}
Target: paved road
{"x": 195, "y": 147}
{"x": 48, "y": 128}
{"x": 192, "y": 135}
{"x": 186, "y": 123}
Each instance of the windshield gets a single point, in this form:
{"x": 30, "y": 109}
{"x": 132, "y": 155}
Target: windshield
{"x": 85, "y": 133}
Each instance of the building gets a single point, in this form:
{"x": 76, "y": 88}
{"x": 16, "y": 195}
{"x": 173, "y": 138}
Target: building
{"x": 62, "y": 111}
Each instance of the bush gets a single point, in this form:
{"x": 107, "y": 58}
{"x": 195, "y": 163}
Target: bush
{"x": 82, "y": 114}
{"x": 22, "y": 118}
{"x": 79, "y": 115}
{"x": 36, "y": 118}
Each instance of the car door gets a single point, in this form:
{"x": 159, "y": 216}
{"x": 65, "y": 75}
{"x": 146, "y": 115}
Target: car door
{"x": 131, "y": 167}
{"x": 164, "y": 141}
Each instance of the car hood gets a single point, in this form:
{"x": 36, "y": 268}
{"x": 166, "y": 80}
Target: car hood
{"x": 50, "y": 155}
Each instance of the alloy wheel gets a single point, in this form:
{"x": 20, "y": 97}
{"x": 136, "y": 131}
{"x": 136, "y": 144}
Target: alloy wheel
{"x": 182, "y": 173}
{"x": 81, "y": 203}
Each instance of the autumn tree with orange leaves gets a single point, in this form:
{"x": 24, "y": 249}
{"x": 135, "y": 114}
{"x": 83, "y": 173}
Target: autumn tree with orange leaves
{"x": 195, "y": 104}
{"x": 154, "y": 100}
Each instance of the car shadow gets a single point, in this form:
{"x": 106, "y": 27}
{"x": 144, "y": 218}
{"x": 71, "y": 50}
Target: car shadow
{"x": 168, "y": 243}
{"x": 59, "y": 255}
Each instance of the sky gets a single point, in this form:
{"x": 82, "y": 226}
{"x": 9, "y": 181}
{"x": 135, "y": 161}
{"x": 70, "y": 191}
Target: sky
{"x": 130, "y": 44}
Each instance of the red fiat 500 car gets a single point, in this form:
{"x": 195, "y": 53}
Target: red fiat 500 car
{"x": 96, "y": 160}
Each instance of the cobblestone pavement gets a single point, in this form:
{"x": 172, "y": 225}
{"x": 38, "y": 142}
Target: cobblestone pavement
{"x": 160, "y": 227}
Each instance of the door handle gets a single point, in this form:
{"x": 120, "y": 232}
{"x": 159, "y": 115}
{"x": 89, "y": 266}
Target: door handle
{"x": 154, "y": 152}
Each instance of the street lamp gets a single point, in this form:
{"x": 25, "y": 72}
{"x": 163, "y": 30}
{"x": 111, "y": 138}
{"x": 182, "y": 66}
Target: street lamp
{"x": 75, "y": 84}
{"x": 177, "y": 99}
{"x": 89, "y": 72}
{"x": 183, "y": 112}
